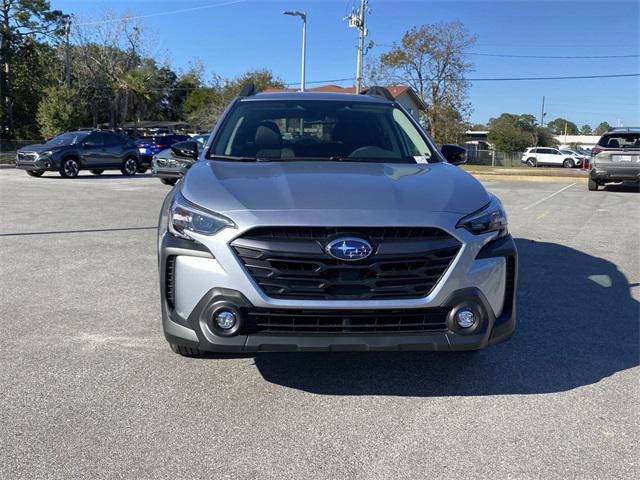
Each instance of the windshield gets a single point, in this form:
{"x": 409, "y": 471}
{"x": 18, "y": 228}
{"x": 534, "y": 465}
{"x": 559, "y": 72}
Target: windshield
{"x": 320, "y": 130}
{"x": 70, "y": 138}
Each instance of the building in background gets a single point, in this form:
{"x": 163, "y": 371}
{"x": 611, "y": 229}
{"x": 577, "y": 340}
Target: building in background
{"x": 582, "y": 142}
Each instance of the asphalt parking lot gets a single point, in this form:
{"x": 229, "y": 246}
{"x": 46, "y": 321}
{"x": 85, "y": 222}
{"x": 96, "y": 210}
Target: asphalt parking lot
{"x": 90, "y": 389}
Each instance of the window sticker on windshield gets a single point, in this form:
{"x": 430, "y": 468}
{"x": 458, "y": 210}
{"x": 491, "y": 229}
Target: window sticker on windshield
{"x": 421, "y": 159}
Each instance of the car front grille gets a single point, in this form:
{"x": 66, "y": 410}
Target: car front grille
{"x": 27, "y": 157}
{"x": 291, "y": 262}
{"x": 332, "y": 322}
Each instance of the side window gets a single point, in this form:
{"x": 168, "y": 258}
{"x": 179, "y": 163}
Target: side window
{"x": 112, "y": 139}
{"x": 94, "y": 140}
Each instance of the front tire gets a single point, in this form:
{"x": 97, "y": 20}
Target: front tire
{"x": 592, "y": 185}
{"x": 169, "y": 181}
{"x": 35, "y": 173}
{"x": 129, "y": 167}
{"x": 568, "y": 163}
{"x": 532, "y": 162}
{"x": 69, "y": 168}
{"x": 185, "y": 351}
{"x": 97, "y": 171}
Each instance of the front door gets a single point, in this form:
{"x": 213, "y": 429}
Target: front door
{"x": 92, "y": 150}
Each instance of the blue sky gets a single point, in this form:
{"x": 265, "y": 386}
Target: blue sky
{"x": 231, "y": 38}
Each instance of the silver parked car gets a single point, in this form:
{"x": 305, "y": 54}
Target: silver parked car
{"x": 168, "y": 167}
{"x": 616, "y": 158}
{"x": 320, "y": 221}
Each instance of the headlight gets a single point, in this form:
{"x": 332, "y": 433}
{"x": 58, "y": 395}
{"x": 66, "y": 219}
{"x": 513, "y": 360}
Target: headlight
{"x": 489, "y": 218}
{"x": 45, "y": 154}
{"x": 185, "y": 217}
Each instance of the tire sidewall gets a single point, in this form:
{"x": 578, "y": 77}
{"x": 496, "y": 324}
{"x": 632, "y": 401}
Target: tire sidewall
{"x": 63, "y": 171}
{"x": 532, "y": 162}
{"x": 129, "y": 169}
{"x": 568, "y": 163}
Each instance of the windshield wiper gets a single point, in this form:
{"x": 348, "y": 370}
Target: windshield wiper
{"x": 233, "y": 158}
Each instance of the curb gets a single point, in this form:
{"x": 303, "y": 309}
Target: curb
{"x": 527, "y": 178}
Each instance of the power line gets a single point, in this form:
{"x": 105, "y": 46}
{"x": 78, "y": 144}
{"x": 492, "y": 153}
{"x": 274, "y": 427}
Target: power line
{"x": 569, "y": 77}
{"x": 495, "y": 79}
{"x": 508, "y": 55}
{"x": 159, "y": 14}
{"x": 550, "y": 56}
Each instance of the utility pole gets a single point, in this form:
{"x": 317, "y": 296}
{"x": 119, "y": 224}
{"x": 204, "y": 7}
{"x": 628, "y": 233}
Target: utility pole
{"x": 356, "y": 20}
{"x": 542, "y": 114}
{"x": 67, "y": 58}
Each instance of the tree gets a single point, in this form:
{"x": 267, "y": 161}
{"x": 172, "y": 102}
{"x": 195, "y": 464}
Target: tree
{"x": 509, "y": 133}
{"x": 35, "y": 68}
{"x": 432, "y": 60}
{"x": 58, "y": 111}
{"x": 514, "y": 133}
{"x": 545, "y": 138}
{"x": 601, "y": 128}
{"x": 559, "y": 126}
{"x": 106, "y": 54}
{"x": 203, "y": 106}
{"x": 586, "y": 130}
{"x": 21, "y": 20}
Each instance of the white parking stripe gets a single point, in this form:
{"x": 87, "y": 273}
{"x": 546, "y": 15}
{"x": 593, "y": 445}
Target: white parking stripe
{"x": 548, "y": 197}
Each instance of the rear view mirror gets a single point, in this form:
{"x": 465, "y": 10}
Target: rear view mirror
{"x": 454, "y": 154}
{"x": 187, "y": 150}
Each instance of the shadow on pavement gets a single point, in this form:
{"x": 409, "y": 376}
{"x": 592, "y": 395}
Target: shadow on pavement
{"x": 622, "y": 187}
{"x": 577, "y": 324}
{"x": 89, "y": 176}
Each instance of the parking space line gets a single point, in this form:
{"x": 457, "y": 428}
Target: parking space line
{"x": 548, "y": 197}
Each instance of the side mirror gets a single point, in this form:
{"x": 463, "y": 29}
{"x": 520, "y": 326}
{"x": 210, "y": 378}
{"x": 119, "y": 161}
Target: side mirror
{"x": 185, "y": 150}
{"x": 454, "y": 154}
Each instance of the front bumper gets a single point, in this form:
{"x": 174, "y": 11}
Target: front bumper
{"x": 198, "y": 282}
{"x": 40, "y": 164}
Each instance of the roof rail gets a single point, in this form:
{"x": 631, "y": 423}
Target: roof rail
{"x": 382, "y": 92}
{"x": 248, "y": 89}
{"x": 623, "y": 129}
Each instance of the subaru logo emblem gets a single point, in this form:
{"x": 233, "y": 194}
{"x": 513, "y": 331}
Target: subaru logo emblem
{"x": 349, "y": 249}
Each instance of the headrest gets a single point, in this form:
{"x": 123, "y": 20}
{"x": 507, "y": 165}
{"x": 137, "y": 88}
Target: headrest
{"x": 268, "y": 136}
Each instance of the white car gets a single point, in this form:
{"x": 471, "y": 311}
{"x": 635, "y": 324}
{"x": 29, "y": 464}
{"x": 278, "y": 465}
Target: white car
{"x": 551, "y": 156}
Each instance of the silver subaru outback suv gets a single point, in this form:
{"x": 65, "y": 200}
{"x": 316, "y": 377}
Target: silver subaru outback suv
{"x": 330, "y": 222}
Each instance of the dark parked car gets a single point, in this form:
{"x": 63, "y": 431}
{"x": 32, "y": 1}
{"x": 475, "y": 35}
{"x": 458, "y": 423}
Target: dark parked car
{"x": 71, "y": 152}
{"x": 169, "y": 168}
{"x": 149, "y": 146}
{"x": 616, "y": 158}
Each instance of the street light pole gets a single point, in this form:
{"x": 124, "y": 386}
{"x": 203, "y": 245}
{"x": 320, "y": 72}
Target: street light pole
{"x": 303, "y": 16}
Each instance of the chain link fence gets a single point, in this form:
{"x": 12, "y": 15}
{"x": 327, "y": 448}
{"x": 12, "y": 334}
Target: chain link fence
{"x": 494, "y": 158}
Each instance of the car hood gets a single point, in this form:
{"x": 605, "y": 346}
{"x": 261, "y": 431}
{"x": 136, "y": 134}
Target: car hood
{"x": 324, "y": 186}
{"x": 41, "y": 147}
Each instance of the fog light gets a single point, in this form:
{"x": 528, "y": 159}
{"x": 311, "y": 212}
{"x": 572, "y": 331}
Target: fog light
{"x": 225, "y": 319}
{"x": 465, "y": 318}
